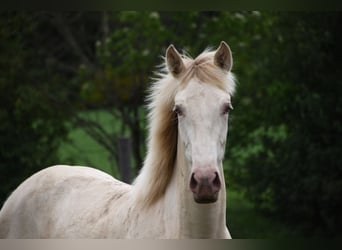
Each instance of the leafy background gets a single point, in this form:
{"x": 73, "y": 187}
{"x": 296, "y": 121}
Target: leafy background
{"x": 73, "y": 83}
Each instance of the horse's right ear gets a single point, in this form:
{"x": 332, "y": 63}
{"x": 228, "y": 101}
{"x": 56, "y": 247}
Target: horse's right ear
{"x": 174, "y": 61}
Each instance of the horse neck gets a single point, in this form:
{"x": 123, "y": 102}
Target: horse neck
{"x": 191, "y": 219}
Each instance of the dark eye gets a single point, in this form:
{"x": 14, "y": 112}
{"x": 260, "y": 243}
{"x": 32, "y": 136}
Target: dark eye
{"x": 178, "y": 110}
{"x": 227, "y": 107}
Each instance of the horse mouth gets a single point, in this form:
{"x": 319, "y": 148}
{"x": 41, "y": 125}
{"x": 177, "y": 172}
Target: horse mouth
{"x": 205, "y": 199}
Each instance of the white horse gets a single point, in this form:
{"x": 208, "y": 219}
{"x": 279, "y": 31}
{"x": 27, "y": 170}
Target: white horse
{"x": 180, "y": 191}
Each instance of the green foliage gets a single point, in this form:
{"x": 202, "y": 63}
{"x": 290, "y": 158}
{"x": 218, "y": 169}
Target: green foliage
{"x": 31, "y": 124}
{"x": 286, "y": 132}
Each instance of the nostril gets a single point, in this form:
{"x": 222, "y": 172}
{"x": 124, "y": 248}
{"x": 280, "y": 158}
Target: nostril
{"x": 193, "y": 182}
{"x": 216, "y": 181}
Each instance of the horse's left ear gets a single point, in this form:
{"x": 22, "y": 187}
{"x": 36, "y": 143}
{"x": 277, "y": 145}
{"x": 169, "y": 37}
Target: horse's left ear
{"x": 223, "y": 57}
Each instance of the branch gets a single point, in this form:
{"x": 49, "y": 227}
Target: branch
{"x": 59, "y": 22}
{"x": 95, "y": 130}
{"x": 61, "y": 65}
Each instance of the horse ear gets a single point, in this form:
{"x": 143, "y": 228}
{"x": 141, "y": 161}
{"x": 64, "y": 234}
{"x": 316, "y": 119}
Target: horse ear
{"x": 174, "y": 61}
{"x": 223, "y": 57}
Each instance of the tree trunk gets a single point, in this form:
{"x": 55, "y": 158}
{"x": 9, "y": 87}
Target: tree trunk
{"x": 124, "y": 155}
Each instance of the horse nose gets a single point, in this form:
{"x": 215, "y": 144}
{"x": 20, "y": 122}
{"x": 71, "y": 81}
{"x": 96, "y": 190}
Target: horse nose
{"x": 205, "y": 185}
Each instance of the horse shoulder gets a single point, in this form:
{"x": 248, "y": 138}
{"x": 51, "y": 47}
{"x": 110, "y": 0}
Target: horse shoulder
{"x": 92, "y": 197}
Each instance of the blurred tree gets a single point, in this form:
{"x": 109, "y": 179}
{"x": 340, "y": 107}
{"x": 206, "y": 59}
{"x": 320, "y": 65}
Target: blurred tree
{"x": 125, "y": 58}
{"x": 31, "y": 121}
{"x": 287, "y": 133}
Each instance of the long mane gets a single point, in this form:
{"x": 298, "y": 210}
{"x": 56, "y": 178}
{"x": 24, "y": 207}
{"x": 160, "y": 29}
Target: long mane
{"x": 151, "y": 183}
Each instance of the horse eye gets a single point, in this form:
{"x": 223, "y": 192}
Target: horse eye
{"x": 178, "y": 110}
{"x": 227, "y": 107}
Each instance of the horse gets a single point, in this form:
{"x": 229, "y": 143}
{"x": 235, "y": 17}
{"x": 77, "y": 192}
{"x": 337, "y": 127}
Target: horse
{"x": 180, "y": 191}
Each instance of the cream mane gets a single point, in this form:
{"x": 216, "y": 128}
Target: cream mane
{"x": 158, "y": 167}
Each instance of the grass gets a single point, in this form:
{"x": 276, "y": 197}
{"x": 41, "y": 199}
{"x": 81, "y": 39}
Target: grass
{"x": 245, "y": 222}
{"x": 81, "y": 149}
{"x": 242, "y": 219}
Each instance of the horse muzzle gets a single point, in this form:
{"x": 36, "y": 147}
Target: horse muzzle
{"x": 205, "y": 185}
